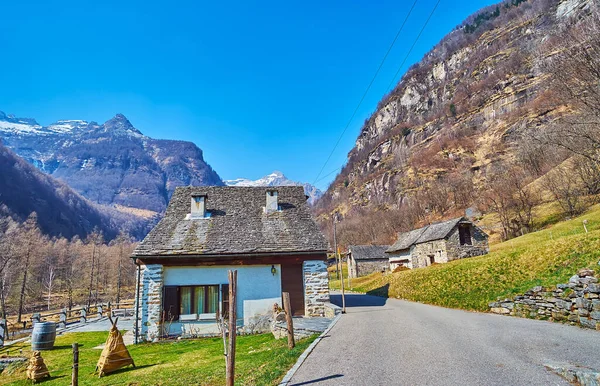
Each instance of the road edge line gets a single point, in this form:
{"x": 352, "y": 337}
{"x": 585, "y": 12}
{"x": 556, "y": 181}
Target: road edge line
{"x": 288, "y": 377}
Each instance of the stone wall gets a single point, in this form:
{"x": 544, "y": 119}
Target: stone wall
{"x": 316, "y": 287}
{"x": 366, "y": 267}
{"x": 150, "y": 307}
{"x": 420, "y": 253}
{"x": 479, "y": 244}
{"x": 576, "y": 302}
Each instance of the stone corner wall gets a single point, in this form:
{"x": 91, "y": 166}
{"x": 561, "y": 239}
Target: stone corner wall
{"x": 316, "y": 287}
{"x": 576, "y": 302}
{"x": 150, "y": 305}
{"x": 367, "y": 267}
{"x": 479, "y": 244}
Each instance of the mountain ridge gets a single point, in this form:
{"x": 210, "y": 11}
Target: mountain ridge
{"x": 112, "y": 163}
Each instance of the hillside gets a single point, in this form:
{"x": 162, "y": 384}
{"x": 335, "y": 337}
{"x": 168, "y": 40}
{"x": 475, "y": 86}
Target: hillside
{"x": 111, "y": 163}
{"x": 60, "y": 211}
{"x": 545, "y": 258}
{"x": 459, "y": 123}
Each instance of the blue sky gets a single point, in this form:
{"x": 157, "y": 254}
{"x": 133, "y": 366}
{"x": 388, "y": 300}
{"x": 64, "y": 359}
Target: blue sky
{"x": 259, "y": 86}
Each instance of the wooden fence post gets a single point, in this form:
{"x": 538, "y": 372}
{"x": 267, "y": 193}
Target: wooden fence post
{"x": 83, "y": 316}
{"x": 62, "y": 323}
{"x": 230, "y": 378}
{"x": 288, "y": 318}
{"x": 99, "y": 310}
{"x": 2, "y": 331}
{"x": 75, "y": 373}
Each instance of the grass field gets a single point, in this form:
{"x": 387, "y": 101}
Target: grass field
{"x": 260, "y": 360}
{"x": 546, "y": 257}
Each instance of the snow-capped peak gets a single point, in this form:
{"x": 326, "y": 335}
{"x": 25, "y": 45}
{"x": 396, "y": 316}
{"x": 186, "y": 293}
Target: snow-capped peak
{"x": 67, "y": 125}
{"x": 12, "y": 125}
{"x": 277, "y": 178}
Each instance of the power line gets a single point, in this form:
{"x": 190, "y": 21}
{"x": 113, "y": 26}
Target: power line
{"x": 330, "y": 173}
{"x": 367, "y": 90}
{"x": 413, "y": 46}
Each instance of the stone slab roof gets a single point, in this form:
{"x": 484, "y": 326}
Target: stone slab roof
{"x": 237, "y": 224}
{"x": 431, "y": 232}
{"x": 367, "y": 252}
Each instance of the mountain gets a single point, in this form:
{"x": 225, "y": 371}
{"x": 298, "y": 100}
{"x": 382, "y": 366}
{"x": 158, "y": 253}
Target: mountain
{"x": 60, "y": 211}
{"x": 278, "y": 179}
{"x": 471, "y": 106}
{"x": 111, "y": 163}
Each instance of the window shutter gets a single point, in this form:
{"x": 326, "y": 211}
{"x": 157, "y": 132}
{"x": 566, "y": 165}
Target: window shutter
{"x": 170, "y": 303}
{"x": 225, "y": 300}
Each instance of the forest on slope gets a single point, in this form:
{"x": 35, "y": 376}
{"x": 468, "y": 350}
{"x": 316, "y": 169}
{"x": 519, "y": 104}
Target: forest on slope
{"x": 499, "y": 117}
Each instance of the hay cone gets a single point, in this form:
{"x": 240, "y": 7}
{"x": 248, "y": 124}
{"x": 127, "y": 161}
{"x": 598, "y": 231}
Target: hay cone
{"x": 37, "y": 369}
{"x": 115, "y": 354}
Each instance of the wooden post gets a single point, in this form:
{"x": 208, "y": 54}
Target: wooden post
{"x": 232, "y": 328}
{"x": 2, "y": 332}
{"x": 83, "y": 317}
{"x": 75, "y": 373}
{"x": 36, "y": 318}
{"x": 63, "y": 318}
{"x": 288, "y": 318}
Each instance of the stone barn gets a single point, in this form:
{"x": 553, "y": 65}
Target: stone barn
{"x": 366, "y": 259}
{"x": 438, "y": 243}
{"x": 267, "y": 234}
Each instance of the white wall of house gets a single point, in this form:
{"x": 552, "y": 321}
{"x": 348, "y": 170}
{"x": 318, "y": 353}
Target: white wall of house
{"x": 257, "y": 290}
{"x": 401, "y": 258}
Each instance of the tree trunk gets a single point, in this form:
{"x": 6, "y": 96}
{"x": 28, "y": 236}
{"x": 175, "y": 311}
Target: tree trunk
{"x": 119, "y": 276}
{"x": 22, "y": 295}
{"x": 89, "y": 303}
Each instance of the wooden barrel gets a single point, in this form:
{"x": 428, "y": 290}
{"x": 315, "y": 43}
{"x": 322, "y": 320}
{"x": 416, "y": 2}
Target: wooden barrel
{"x": 43, "y": 336}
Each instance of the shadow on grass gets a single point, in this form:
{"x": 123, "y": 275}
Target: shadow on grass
{"x": 127, "y": 369}
{"x": 318, "y": 380}
{"x": 60, "y": 347}
{"x": 50, "y": 378}
{"x": 382, "y": 291}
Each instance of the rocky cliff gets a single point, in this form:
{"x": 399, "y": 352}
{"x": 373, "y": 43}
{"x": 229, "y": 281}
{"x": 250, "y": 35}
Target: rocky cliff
{"x": 111, "y": 163}
{"x": 463, "y": 108}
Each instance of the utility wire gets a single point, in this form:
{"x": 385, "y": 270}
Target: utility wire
{"x": 330, "y": 173}
{"x": 413, "y": 46}
{"x": 367, "y": 90}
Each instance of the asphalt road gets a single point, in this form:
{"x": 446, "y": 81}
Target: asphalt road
{"x": 393, "y": 342}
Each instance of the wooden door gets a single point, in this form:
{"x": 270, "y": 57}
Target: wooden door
{"x": 292, "y": 281}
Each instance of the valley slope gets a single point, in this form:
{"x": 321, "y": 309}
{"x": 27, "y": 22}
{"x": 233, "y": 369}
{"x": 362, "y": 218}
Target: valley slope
{"x": 470, "y": 105}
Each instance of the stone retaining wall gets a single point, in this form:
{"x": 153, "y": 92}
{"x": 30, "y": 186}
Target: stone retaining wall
{"x": 576, "y": 302}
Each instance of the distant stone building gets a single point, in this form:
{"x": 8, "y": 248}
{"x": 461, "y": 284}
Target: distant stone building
{"x": 366, "y": 259}
{"x": 438, "y": 243}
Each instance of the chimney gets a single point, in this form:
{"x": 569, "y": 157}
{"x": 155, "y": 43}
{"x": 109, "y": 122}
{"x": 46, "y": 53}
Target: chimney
{"x": 198, "y": 207}
{"x": 272, "y": 205}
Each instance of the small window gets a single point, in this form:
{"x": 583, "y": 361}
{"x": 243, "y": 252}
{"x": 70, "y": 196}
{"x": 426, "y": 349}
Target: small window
{"x": 203, "y": 299}
{"x": 464, "y": 233}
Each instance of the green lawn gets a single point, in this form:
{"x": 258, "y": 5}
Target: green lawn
{"x": 260, "y": 360}
{"x": 547, "y": 257}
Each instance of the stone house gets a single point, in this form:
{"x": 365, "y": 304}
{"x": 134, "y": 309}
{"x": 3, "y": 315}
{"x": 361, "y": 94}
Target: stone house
{"x": 268, "y": 235}
{"x": 438, "y": 243}
{"x": 365, "y": 259}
